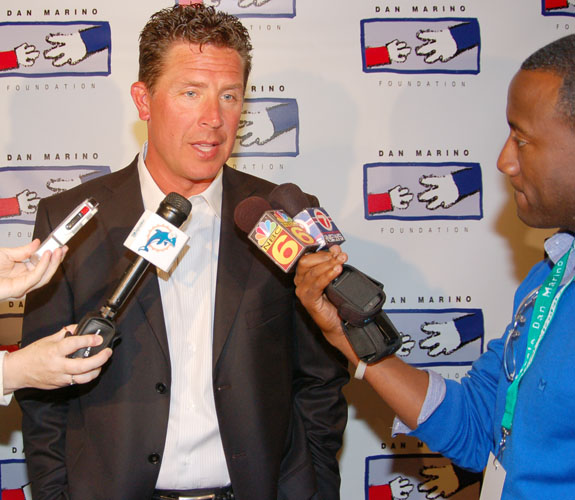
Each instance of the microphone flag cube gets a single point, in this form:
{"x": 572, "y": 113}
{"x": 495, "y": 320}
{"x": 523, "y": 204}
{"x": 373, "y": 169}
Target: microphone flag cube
{"x": 318, "y": 223}
{"x": 156, "y": 240}
{"x": 282, "y": 239}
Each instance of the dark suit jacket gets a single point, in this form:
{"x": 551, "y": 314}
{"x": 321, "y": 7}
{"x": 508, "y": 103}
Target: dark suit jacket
{"x": 277, "y": 385}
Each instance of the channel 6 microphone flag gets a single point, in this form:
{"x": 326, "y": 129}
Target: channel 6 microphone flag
{"x": 273, "y": 232}
{"x": 281, "y": 238}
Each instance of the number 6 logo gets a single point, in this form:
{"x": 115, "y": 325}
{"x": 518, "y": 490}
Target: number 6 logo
{"x": 285, "y": 250}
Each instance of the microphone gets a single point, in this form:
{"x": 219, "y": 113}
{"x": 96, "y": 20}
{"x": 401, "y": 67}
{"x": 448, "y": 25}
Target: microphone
{"x": 173, "y": 210}
{"x": 315, "y": 220}
{"x": 273, "y": 232}
{"x": 359, "y": 298}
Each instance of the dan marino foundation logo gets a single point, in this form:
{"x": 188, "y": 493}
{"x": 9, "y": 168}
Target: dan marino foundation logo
{"x": 423, "y": 191}
{"x": 442, "y": 45}
{"x": 249, "y": 8}
{"x": 22, "y": 188}
{"x": 268, "y": 127}
{"x": 558, "y": 7}
{"x": 55, "y": 49}
{"x": 418, "y": 477}
{"x": 14, "y": 482}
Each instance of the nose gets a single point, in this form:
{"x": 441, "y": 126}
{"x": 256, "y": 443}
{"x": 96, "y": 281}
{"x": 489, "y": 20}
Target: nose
{"x": 507, "y": 163}
{"x": 211, "y": 114}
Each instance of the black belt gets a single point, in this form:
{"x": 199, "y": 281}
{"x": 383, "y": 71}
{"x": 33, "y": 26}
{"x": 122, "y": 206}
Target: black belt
{"x": 225, "y": 493}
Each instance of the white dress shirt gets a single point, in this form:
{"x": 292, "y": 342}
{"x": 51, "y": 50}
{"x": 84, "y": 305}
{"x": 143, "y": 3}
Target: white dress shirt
{"x": 193, "y": 454}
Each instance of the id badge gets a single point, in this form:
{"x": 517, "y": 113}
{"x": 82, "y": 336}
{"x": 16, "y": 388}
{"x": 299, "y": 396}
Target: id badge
{"x": 493, "y": 479}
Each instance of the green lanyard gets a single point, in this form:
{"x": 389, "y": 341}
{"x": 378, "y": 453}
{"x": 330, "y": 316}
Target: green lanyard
{"x": 543, "y": 311}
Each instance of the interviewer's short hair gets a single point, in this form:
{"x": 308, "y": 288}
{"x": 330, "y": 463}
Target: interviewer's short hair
{"x": 194, "y": 24}
{"x": 558, "y": 57}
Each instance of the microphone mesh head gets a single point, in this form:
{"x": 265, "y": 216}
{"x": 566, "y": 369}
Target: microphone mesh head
{"x": 178, "y": 202}
{"x": 249, "y": 211}
{"x": 175, "y": 209}
{"x": 289, "y": 198}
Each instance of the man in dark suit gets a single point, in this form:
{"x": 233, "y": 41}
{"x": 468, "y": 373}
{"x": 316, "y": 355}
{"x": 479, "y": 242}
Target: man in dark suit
{"x": 220, "y": 386}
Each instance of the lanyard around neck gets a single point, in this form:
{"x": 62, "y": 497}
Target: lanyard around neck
{"x": 543, "y": 312}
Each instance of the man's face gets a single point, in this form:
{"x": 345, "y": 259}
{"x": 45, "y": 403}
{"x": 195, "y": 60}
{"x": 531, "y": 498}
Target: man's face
{"x": 192, "y": 115}
{"x": 539, "y": 154}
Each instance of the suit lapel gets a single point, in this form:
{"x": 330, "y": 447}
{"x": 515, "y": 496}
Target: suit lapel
{"x": 122, "y": 214}
{"x": 234, "y": 260}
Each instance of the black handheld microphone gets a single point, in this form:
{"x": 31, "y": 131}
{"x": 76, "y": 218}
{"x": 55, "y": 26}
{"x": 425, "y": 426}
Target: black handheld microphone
{"x": 175, "y": 209}
{"x": 359, "y": 298}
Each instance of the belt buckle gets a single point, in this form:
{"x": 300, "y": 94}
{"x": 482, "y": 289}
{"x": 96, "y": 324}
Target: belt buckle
{"x": 211, "y": 496}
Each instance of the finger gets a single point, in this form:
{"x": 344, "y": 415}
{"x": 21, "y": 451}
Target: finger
{"x": 53, "y": 53}
{"x": 336, "y": 250}
{"x": 432, "y": 495}
{"x": 311, "y": 285}
{"x": 436, "y": 351}
{"x": 311, "y": 260}
{"x": 85, "y": 366}
{"x": 45, "y": 270}
{"x": 60, "y": 61}
{"x": 427, "y": 181}
{"x": 35, "y": 274}
{"x": 62, "y": 334}
{"x": 72, "y": 343}
{"x": 427, "y": 344}
{"x": 434, "y": 204}
{"x": 84, "y": 378}
{"x": 426, "y": 195}
{"x": 319, "y": 262}
{"x": 20, "y": 254}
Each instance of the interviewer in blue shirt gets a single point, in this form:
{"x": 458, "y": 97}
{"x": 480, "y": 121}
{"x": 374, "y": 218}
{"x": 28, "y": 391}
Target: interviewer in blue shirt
{"x": 518, "y": 400}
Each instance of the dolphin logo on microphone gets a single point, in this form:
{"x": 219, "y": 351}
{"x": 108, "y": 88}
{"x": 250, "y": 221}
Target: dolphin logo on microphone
{"x": 161, "y": 238}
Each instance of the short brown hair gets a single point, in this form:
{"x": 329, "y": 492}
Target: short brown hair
{"x": 195, "y": 24}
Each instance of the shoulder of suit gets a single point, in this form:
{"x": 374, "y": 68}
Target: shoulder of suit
{"x": 260, "y": 186}
{"x": 98, "y": 188}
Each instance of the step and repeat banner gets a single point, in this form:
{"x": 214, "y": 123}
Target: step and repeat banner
{"x": 391, "y": 112}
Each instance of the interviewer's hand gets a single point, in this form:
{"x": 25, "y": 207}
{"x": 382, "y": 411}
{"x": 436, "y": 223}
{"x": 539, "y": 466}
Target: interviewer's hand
{"x": 402, "y": 386}
{"x": 314, "y": 272}
{"x": 19, "y": 276}
{"x": 44, "y": 364}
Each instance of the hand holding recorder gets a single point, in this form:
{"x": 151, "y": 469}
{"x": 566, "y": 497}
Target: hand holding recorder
{"x": 44, "y": 363}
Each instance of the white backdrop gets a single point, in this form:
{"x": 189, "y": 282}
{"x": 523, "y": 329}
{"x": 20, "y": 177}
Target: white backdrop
{"x": 348, "y": 125}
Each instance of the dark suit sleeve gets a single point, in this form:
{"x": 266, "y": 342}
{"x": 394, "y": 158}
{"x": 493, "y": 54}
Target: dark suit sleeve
{"x": 319, "y": 376}
{"x": 321, "y": 373}
{"x": 45, "y": 412}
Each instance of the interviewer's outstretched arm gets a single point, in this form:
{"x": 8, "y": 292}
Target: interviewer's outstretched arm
{"x": 400, "y": 385}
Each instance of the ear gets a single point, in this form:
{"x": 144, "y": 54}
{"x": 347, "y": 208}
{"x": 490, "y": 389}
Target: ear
{"x": 141, "y": 98}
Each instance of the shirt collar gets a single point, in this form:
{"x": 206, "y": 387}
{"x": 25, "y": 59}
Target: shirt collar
{"x": 556, "y": 247}
{"x": 153, "y": 195}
